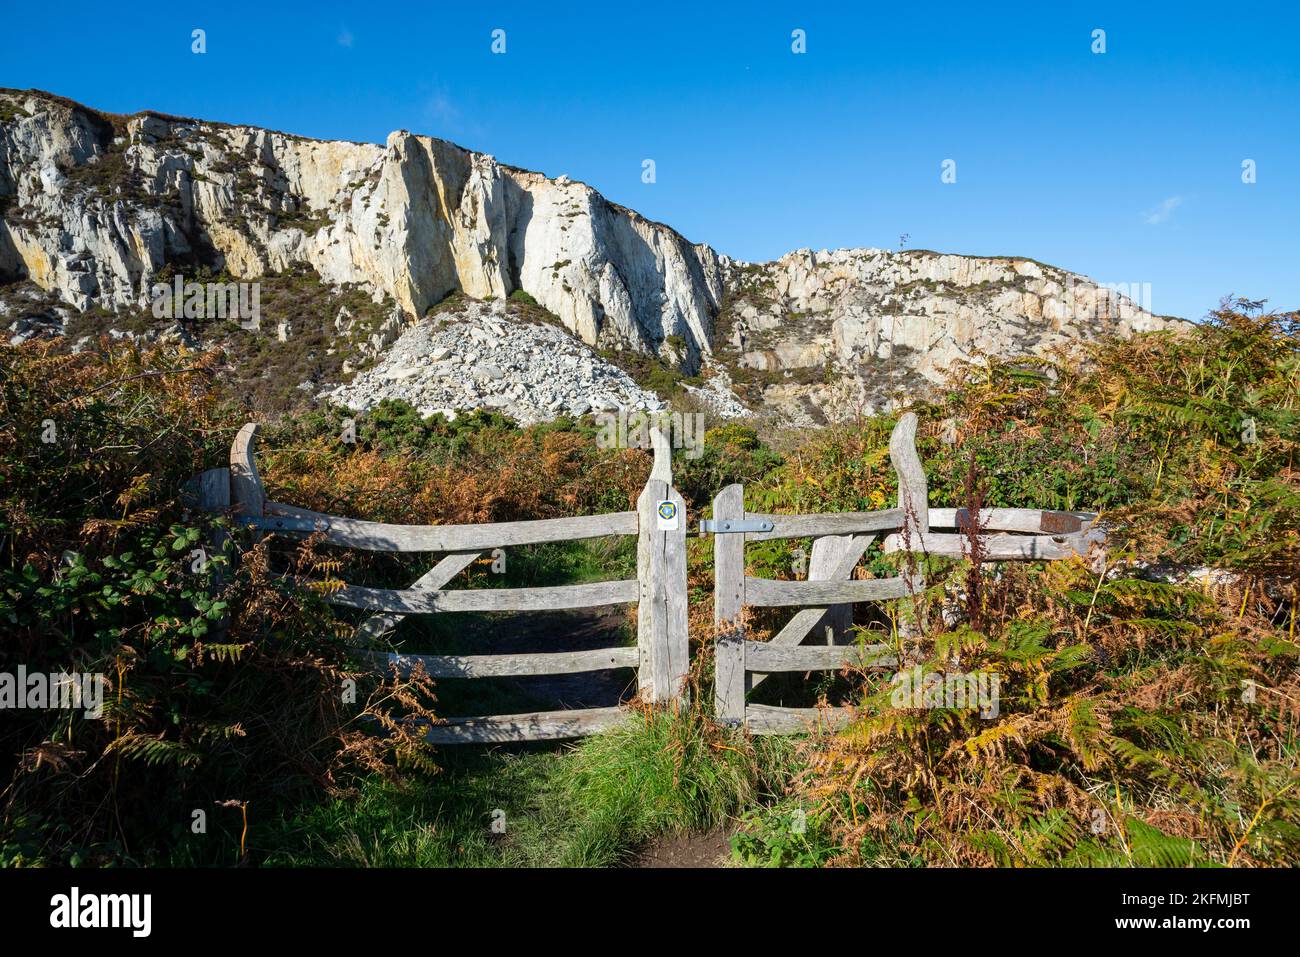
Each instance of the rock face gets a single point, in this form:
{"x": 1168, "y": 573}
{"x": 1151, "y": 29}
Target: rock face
{"x": 834, "y": 333}
{"x": 95, "y": 208}
{"x": 942, "y": 307}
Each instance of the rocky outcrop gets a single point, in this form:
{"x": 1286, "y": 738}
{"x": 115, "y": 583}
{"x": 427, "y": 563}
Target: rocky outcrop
{"x": 95, "y": 207}
{"x": 832, "y": 334}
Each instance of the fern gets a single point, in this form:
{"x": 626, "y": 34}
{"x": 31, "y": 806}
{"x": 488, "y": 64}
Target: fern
{"x": 1151, "y": 847}
{"x": 225, "y": 652}
{"x": 154, "y": 751}
{"x": 1086, "y": 731}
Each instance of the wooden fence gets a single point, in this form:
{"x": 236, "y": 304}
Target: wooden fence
{"x": 661, "y": 656}
{"x": 659, "y": 590}
{"x": 840, "y": 540}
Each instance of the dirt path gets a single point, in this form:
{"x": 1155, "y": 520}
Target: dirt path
{"x": 710, "y": 849}
{"x": 555, "y": 631}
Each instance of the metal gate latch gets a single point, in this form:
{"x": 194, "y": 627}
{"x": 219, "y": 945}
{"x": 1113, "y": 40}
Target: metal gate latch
{"x": 712, "y": 526}
{"x": 277, "y": 523}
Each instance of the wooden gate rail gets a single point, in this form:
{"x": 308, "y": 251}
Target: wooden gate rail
{"x": 1063, "y": 534}
{"x": 381, "y": 537}
{"x": 659, "y": 590}
{"x": 737, "y": 659}
{"x": 423, "y": 601}
{"x": 840, "y": 540}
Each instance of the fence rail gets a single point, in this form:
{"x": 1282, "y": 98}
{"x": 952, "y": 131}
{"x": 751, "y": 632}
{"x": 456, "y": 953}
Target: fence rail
{"x": 427, "y": 601}
{"x": 659, "y": 591}
{"x": 825, "y": 598}
{"x": 840, "y": 541}
{"x": 381, "y": 537}
{"x": 498, "y": 666}
{"x": 535, "y": 726}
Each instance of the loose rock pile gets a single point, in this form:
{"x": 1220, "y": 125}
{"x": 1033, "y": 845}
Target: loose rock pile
{"x": 482, "y": 357}
{"x": 716, "y": 397}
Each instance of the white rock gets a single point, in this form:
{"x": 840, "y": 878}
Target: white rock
{"x": 601, "y": 269}
{"x": 418, "y": 218}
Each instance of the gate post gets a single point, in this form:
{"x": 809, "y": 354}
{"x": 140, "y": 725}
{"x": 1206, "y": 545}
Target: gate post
{"x": 914, "y": 500}
{"x": 214, "y": 496}
{"x": 913, "y": 493}
{"x": 246, "y": 492}
{"x": 661, "y": 572}
{"x": 728, "y": 604}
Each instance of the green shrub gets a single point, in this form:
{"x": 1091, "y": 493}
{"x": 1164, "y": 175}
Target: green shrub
{"x": 222, "y": 683}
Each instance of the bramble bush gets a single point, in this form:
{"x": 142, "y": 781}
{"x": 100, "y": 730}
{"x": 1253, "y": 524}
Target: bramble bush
{"x": 223, "y": 683}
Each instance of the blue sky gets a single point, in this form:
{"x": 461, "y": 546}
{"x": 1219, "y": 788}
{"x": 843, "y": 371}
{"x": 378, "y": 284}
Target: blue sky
{"x": 1124, "y": 165}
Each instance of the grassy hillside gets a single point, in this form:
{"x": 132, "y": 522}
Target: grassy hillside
{"x": 1148, "y": 712}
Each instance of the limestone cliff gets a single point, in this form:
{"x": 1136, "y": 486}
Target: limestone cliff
{"x": 95, "y": 207}
{"x": 828, "y": 334}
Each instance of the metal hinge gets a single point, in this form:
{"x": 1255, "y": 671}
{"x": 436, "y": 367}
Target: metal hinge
{"x": 1059, "y": 523}
{"x": 281, "y": 524}
{"x": 713, "y": 526}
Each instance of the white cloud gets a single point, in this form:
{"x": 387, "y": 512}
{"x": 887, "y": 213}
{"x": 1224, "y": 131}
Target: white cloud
{"x": 1156, "y": 216}
{"x": 439, "y": 108}
{"x": 345, "y": 38}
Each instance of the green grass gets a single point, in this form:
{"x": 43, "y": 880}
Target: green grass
{"x": 609, "y": 558}
{"x": 668, "y": 774}
{"x": 444, "y": 821}
{"x": 591, "y": 805}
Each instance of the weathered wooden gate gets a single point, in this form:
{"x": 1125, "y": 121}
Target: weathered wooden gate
{"x": 840, "y": 540}
{"x": 659, "y": 590}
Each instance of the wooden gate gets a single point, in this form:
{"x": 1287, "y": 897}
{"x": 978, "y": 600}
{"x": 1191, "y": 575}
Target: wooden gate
{"x": 840, "y": 540}
{"x": 659, "y": 590}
